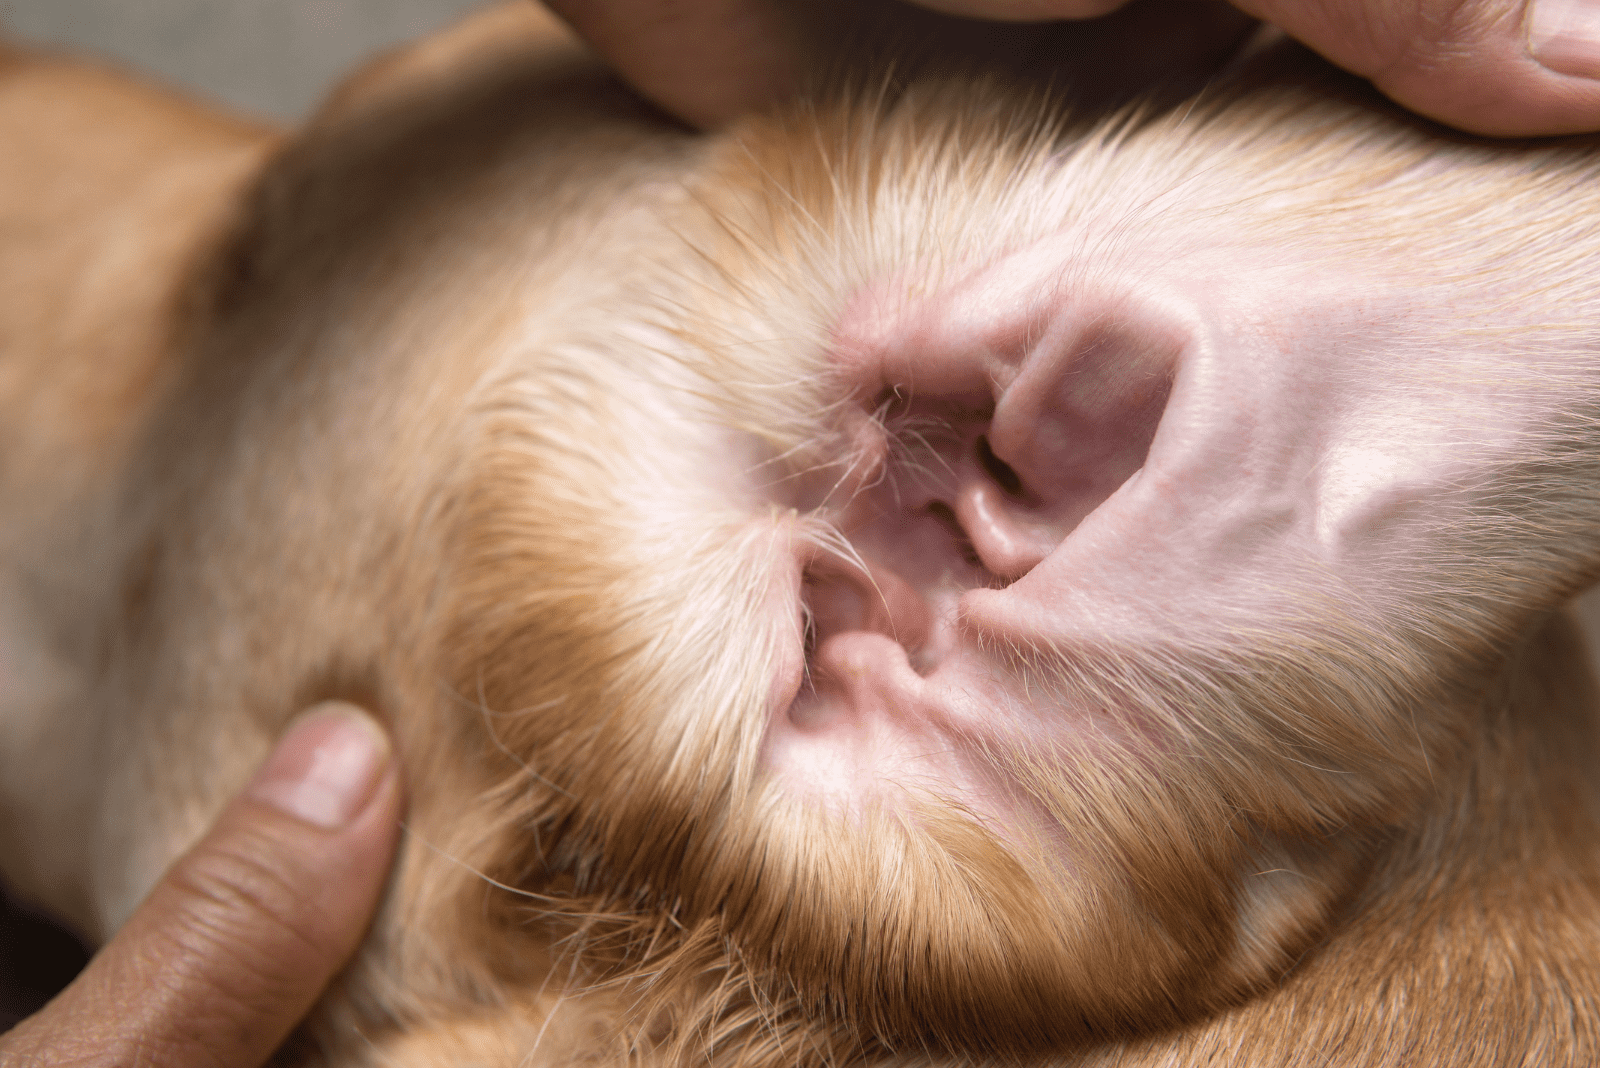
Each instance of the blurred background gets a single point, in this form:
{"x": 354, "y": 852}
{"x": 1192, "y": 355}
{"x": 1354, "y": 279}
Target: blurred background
{"x": 271, "y": 57}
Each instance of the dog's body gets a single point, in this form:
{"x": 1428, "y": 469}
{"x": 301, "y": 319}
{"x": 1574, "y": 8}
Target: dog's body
{"x": 490, "y": 400}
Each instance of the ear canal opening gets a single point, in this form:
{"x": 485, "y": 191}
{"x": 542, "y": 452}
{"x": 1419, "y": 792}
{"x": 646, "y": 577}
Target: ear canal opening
{"x": 997, "y": 469}
{"x": 947, "y": 518}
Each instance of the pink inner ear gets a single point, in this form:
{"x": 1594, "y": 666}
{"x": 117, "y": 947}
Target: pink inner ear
{"x": 975, "y": 458}
{"x": 1073, "y": 425}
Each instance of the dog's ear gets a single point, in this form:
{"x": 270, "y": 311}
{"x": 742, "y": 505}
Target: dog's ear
{"x": 470, "y": 50}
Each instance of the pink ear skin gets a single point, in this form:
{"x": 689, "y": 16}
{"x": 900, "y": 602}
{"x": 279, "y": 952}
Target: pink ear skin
{"x": 1113, "y": 456}
{"x": 1006, "y": 433}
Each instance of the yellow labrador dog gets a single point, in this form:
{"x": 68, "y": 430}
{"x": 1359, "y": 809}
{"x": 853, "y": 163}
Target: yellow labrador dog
{"x": 914, "y": 578}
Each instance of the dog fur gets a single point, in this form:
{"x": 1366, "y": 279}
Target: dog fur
{"x": 488, "y": 399}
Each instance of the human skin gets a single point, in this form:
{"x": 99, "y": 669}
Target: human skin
{"x": 1498, "y": 67}
{"x": 243, "y": 932}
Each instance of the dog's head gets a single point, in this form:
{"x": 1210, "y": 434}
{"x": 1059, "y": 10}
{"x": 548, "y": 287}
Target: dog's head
{"x": 720, "y": 602}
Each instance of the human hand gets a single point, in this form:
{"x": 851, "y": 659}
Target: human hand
{"x": 242, "y": 933}
{"x": 1501, "y": 67}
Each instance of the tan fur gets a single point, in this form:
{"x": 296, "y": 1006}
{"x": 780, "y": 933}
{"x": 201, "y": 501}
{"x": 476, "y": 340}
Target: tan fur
{"x": 468, "y": 401}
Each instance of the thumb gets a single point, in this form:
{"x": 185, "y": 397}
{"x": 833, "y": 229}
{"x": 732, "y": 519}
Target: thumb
{"x": 1501, "y": 67}
{"x": 242, "y": 934}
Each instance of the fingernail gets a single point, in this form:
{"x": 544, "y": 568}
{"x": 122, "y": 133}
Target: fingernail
{"x": 326, "y": 766}
{"x": 1564, "y": 35}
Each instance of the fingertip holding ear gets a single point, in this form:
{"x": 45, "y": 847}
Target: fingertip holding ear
{"x": 1515, "y": 68}
{"x": 1564, "y": 35}
{"x": 326, "y": 767}
{"x": 706, "y": 62}
{"x": 1025, "y": 10}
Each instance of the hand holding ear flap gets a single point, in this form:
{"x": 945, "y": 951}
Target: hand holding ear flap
{"x": 711, "y": 61}
{"x": 1506, "y": 68}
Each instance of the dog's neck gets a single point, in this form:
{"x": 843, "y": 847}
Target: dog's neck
{"x": 107, "y": 192}
{"x": 123, "y": 210}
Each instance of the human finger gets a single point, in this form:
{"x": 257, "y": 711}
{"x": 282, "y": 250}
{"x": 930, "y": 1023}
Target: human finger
{"x": 703, "y": 60}
{"x": 709, "y": 61}
{"x": 1498, "y": 67}
{"x": 243, "y": 933}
